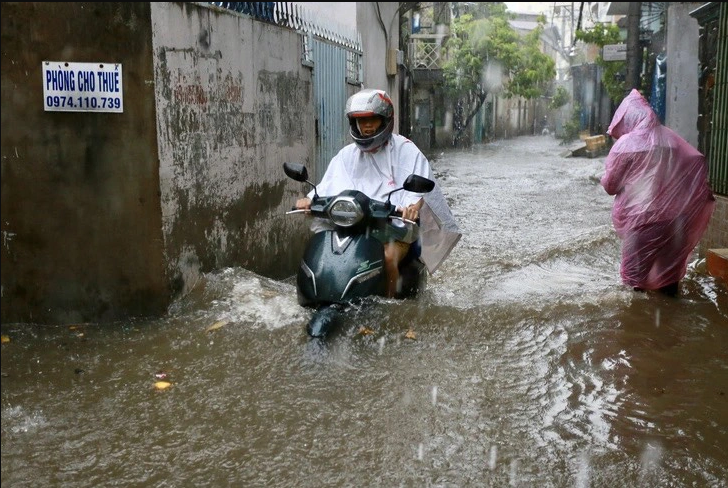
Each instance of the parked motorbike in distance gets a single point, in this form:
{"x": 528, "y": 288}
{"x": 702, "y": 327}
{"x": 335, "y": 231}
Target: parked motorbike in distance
{"x": 344, "y": 264}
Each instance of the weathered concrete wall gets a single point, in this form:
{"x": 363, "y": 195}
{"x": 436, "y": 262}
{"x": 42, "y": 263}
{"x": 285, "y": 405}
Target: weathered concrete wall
{"x": 110, "y": 215}
{"x": 513, "y": 117}
{"x": 234, "y": 102}
{"x": 81, "y": 216}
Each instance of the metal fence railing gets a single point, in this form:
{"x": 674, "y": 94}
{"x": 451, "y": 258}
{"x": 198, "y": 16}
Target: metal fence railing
{"x": 260, "y": 10}
{"x": 297, "y": 17}
{"x": 425, "y": 51}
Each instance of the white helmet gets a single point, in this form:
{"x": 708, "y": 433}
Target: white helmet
{"x": 368, "y": 103}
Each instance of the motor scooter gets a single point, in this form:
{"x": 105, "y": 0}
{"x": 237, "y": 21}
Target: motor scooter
{"x": 344, "y": 264}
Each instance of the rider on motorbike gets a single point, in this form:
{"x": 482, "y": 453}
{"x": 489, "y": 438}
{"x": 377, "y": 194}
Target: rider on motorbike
{"x": 376, "y": 163}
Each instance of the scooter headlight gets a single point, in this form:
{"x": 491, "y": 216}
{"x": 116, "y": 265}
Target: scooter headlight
{"x": 345, "y": 212}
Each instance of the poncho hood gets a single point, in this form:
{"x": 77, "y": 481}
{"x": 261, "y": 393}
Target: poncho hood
{"x": 634, "y": 113}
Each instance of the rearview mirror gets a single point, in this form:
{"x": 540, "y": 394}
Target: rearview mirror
{"x": 296, "y": 171}
{"x": 418, "y": 184}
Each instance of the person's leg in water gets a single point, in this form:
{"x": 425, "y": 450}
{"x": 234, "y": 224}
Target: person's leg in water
{"x": 670, "y": 290}
{"x": 671, "y": 255}
{"x": 394, "y": 252}
{"x": 652, "y": 247}
{"x": 638, "y": 256}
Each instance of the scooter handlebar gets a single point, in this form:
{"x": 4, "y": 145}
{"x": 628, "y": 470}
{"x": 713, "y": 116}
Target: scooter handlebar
{"x": 398, "y": 217}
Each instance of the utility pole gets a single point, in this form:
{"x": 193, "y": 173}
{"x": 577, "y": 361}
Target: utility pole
{"x": 634, "y": 49}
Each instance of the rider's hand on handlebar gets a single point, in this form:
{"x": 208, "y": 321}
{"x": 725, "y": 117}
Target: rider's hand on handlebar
{"x": 412, "y": 212}
{"x": 303, "y": 203}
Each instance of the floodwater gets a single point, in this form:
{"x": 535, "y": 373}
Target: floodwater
{"x": 531, "y": 366}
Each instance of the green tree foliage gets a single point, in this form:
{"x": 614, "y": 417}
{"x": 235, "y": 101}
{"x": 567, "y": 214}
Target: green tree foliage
{"x": 485, "y": 54}
{"x": 570, "y": 131}
{"x": 612, "y": 71}
{"x": 561, "y": 97}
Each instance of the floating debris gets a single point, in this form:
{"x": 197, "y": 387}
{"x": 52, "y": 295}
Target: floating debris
{"x": 216, "y": 325}
{"x": 365, "y": 331}
{"x": 162, "y": 385}
{"x": 161, "y": 375}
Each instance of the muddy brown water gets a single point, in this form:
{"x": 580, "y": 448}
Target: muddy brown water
{"x": 532, "y": 366}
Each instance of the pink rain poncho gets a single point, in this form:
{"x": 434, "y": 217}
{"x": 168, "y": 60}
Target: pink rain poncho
{"x": 662, "y": 202}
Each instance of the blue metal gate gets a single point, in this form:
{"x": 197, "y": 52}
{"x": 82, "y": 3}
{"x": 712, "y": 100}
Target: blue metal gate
{"x": 330, "y": 94}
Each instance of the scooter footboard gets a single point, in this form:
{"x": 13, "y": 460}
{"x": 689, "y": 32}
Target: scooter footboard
{"x": 337, "y": 268}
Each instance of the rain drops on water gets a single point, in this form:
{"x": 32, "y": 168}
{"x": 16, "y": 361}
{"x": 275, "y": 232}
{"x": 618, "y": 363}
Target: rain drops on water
{"x": 493, "y": 457}
{"x": 381, "y": 342}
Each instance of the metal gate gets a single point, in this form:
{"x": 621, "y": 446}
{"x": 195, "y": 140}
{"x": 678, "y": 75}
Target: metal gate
{"x": 422, "y": 124}
{"x": 718, "y": 154}
{"x": 330, "y": 94}
{"x": 336, "y": 60}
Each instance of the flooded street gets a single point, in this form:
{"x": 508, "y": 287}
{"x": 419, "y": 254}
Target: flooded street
{"x": 532, "y": 366}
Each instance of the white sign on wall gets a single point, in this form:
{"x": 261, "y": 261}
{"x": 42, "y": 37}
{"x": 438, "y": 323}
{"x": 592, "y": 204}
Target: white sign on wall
{"x": 82, "y": 87}
{"x": 614, "y": 52}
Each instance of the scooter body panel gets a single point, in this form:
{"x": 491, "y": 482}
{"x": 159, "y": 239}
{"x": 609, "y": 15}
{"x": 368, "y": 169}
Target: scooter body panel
{"x": 338, "y": 267}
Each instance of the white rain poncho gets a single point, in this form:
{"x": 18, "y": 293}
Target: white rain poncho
{"x": 662, "y": 201}
{"x": 378, "y": 173}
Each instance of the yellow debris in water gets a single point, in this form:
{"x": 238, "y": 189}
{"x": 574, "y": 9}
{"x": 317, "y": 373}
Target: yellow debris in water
{"x": 4, "y": 339}
{"x": 216, "y": 325}
{"x": 162, "y": 385}
{"x": 365, "y": 330}
{"x": 410, "y": 334}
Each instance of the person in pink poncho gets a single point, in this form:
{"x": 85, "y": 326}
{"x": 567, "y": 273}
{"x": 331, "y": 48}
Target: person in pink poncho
{"x": 663, "y": 200}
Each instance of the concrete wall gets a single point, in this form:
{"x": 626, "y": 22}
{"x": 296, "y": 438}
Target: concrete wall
{"x": 111, "y": 215}
{"x": 81, "y": 215}
{"x": 233, "y": 103}
{"x": 342, "y": 13}
{"x": 514, "y": 116}
{"x": 683, "y": 65}
{"x": 716, "y": 235}
{"x": 378, "y": 23}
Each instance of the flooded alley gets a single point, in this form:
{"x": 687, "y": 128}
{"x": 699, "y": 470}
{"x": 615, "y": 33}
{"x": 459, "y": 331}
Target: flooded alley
{"x": 531, "y": 366}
